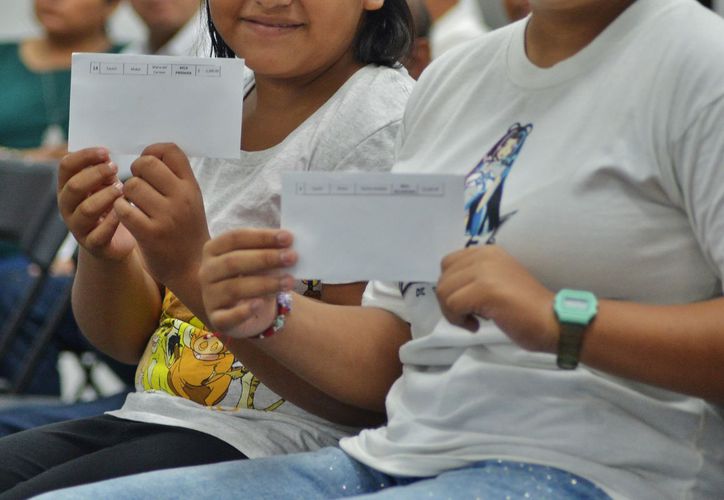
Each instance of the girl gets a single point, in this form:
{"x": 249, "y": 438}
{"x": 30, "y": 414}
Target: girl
{"x": 326, "y": 94}
{"x": 514, "y": 385}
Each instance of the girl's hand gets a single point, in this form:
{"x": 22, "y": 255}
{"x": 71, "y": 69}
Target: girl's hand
{"x": 88, "y": 187}
{"x": 163, "y": 208}
{"x": 241, "y": 273}
{"x": 487, "y": 282}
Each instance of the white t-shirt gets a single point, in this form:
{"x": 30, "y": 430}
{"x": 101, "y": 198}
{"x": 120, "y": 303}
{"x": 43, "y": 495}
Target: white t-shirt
{"x": 612, "y": 181}
{"x": 355, "y": 129}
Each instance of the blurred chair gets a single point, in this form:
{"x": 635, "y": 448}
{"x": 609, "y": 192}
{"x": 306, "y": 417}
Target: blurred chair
{"x": 29, "y": 219}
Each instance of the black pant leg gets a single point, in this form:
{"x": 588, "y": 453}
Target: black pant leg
{"x": 108, "y": 448}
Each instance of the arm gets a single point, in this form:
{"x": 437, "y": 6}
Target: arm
{"x": 116, "y": 303}
{"x": 349, "y": 353}
{"x": 677, "y": 347}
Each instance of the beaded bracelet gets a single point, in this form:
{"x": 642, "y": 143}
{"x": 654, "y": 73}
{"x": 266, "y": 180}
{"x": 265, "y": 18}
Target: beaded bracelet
{"x": 284, "y": 307}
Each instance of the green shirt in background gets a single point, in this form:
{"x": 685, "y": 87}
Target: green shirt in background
{"x": 31, "y": 101}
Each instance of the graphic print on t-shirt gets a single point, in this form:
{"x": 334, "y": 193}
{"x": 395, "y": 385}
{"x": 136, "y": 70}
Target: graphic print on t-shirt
{"x": 184, "y": 359}
{"x": 484, "y": 187}
{"x": 485, "y": 183}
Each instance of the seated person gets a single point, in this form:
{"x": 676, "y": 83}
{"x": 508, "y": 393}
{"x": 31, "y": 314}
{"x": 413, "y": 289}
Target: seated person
{"x": 326, "y": 95}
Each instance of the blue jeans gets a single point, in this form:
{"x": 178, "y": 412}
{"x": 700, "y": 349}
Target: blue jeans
{"x": 331, "y": 473}
{"x": 14, "y": 279}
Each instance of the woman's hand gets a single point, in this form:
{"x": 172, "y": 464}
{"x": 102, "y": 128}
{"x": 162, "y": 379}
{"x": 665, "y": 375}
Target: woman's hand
{"x": 88, "y": 186}
{"x": 242, "y": 271}
{"x": 163, "y": 209}
{"x": 486, "y": 281}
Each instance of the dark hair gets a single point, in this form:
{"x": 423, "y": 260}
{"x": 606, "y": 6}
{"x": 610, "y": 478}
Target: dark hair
{"x": 385, "y": 35}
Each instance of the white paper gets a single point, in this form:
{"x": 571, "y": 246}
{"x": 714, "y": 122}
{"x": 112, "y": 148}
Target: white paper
{"x": 126, "y": 102}
{"x": 361, "y": 226}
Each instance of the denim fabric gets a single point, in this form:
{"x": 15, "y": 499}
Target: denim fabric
{"x": 14, "y": 279}
{"x": 330, "y": 473}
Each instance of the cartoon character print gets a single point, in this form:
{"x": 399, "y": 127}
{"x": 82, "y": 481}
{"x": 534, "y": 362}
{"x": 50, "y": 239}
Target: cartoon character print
{"x": 484, "y": 185}
{"x": 483, "y": 194}
{"x": 202, "y": 372}
{"x": 184, "y": 359}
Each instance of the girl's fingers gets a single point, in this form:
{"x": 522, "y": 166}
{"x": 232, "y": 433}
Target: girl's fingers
{"x": 173, "y": 157}
{"x": 144, "y": 196}
{"x": 226, "y": 320}
{"x": 71, "y": 164}
{"x": 246, "y": 262}
{"x": 86, "y": 215}
{"x": 244, "y": 239}
{"x": 86, "y": 182}
{"x": 103, "y": 232}
{"x": 155, "y": 173}
{"x": 229, "y": 292}
{"x": 132, "y": 217}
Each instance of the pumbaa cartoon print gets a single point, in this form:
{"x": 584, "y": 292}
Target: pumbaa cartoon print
{"x": 485, "y": 183}
{"x": 184, "y": 359}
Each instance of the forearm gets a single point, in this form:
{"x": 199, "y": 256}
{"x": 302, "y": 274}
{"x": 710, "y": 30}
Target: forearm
{"x": 187, "y": 289}
{"x": 679, "y": 347}
{"x": 116, "y": 304}
{"x": 299, "y": 392}
{"x": 349, "y": 353}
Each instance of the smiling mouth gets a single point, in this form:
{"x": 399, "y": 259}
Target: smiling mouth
{"x": 271, "y": 24}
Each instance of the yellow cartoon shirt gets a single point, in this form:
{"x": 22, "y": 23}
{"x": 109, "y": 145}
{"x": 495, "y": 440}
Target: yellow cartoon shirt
{"x": 184, "y": 359}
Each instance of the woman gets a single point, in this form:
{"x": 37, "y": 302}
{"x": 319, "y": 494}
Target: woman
{"x": 36, "y": 75}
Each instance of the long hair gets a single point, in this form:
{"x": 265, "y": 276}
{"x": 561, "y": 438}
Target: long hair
{"x": 384, "y": 36}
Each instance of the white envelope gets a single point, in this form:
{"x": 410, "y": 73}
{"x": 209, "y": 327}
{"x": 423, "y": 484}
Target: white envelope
{"x": 127, "y": 102}
{"x": 361, "y": 226}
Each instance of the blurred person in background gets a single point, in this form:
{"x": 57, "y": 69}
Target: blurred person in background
{"x": 35, "y": 101}
{"x": 498, "y": 13}
{"x": 457, "y": 21}
{"x": 34, "y": 110}
{"x": 453, "y": 22}
{"x": 420, "y": 54}
{"x": 174, "y": 28}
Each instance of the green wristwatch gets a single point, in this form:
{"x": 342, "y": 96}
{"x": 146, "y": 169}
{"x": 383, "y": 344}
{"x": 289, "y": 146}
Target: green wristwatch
{"x": 575, "y": 309}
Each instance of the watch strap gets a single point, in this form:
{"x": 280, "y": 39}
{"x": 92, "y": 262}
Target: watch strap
{"x": 570, "y": 341}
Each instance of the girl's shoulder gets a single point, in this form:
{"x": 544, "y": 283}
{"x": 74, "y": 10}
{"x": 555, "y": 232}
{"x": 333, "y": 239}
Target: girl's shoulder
{"x": 373, "y": 96}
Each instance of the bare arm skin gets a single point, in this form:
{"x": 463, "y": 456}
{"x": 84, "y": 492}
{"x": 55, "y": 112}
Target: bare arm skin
{"x": 676, "y": 347}
{"x": 349, "y": 353}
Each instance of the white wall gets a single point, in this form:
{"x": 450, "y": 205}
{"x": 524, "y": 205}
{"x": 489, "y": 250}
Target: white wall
{"x": 17, "y": 21}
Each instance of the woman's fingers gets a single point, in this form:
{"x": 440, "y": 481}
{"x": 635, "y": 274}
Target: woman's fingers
{"x": 85, "y": 183}
{"x": 87, "y": 214}
{"x": 246, "y": 239}
{"x": 228, "y": 293}
{"x": 246, "y": 262}
{"x": 73, "y": 163}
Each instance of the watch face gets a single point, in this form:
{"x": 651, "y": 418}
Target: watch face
{"x": 575, "y": 306}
